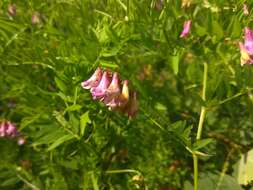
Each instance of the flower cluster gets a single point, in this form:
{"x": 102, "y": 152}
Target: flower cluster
{"x": 9, "y": 130}
{"x": 107, "y": 88}
{"x": 247, "y": 47}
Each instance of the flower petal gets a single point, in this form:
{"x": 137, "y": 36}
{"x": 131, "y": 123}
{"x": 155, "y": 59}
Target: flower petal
{"x": 94, "y": 80}
{"x": 113, "y": 90}
{"x": 186, "y": 29}
{"x": 248, "y": 40}
{"x": 100, "y": 91}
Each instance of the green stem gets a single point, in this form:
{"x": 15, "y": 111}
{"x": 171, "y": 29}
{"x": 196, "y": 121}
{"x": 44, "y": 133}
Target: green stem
{"x": 201, "y": 122}
{"x": 195, "y": 165}
{"x": 200, "y": 126}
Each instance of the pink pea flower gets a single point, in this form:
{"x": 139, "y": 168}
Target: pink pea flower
{"x": 186, "y": 29}
{"x": 99, "y": 92}
{"x": 113, "y": 90}
{"x": 120, "y": 101}
{"x": 108, "y": 90}
{"x": 245, "y": 9}
{"x": 94, "y": 80}
{"x": 247, "y": 48}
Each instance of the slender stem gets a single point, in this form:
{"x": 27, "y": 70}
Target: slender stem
{"x": 195, "y": 165}
{"x": 27, "y": 183}
{"x": 201, "y": 122}
{"x": 200, "y": 126}
{"x": 128, "y": 8}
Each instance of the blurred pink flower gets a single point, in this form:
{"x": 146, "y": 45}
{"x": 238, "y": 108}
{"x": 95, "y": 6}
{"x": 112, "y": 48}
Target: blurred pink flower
{"x": 186, "y": 29}
{"x": 12, "y": 9}
{"x": 35, "y": 18}
{"x": 94, "y": 80}
{"x": 100, "y": 91}
{"x": 11, "y": 130}
{"x": 8, "y": 129}
{"x": 159, "y": 5}
{"x": 21, "y": 141}
{"x": 247, "y": 48}
{"x": 245, "y": 9}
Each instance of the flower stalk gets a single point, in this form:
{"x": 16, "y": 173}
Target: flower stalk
{"x": 200, "y": 126}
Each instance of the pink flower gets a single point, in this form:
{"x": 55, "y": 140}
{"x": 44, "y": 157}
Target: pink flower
{"x": 11, "y": 130}
{"x": 94, "y": 80}
{"x": 113, "y": 90}
{"x": 186, "y": 29}
{"x": 36, "y": 18}
{"x": 108, "y": 90}
{"x": 122, "y": 99}
{"x": 12, "y": 10}
{"x": 245, "y": 9}
{"x": 247, "y": 48}
{"x": 21, "y": 141}
{"x": 3, "y": 127}
{"x": 99, "y": 92}
{"x": 8, "y": 129}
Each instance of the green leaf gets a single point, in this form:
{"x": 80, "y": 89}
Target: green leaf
{"x": 108, "y": 64}
{"x": 59, "y": 141}
{"x": 217, "y": 29}
{"x": 209, "y": 181}
{"x": 175, "y": 63}
{"x": 48, "y": 134}
{"x": 94, "y": 181}
{"x": 201, "y": 143}
{"x": 60, "y": 118}
{"x": 234, "y": 28}
{"x": 245, "y": 168}
{"x": 182, "y": 132}
{"x": 84, "y": 120}
{"x": 10, "y": 181}
{"x": 201, "y": 31}
{"x": 60, "y": 84}
{"x": 73, "y": 108}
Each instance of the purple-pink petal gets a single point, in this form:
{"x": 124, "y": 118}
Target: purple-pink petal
{"x": 100, "y": 91}
{"x": 248, "y": 40}
{"x": 94, "y": 80}
{"x": 186, "y": 29}
{"x": 113, "y": 89}
{"x": 11, "y": 130}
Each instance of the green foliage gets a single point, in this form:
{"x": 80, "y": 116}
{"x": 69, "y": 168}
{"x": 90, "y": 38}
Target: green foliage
{"x": 74, "y": 142}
